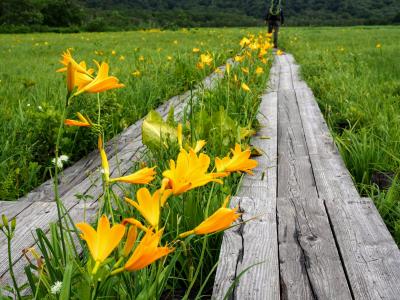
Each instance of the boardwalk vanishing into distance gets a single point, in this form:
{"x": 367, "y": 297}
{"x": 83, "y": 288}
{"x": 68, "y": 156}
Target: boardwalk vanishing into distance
{"x": 311, "y": 235}
{"x": 314, "y": 237}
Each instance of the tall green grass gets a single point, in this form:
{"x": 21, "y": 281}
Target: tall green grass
{"x": 355, "y": 75}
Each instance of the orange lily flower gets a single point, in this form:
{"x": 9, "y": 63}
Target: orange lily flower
{"x": 102, "y": 82}
{"x": 143, "y": 176}
{"x": 239, "y": 162}
{"x": 82, "y": 123}
{"x": 189, "y": 172}
{"x": 103, "y": 241}
{"x": 130, "y": 240}
{"x": 68, "y": 59}
{"x": 220, "y": 220}
{"x": 147, "y": 251}
{"x": 149, "y": 205}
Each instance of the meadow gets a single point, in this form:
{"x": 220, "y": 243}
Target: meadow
{"x": 154, "y": 65}
{"x": 354, "y": 73}
{"x": 159, "y": 241}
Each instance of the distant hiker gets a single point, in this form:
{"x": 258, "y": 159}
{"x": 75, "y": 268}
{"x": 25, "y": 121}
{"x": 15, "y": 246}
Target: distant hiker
{"x": 274, "y": 19}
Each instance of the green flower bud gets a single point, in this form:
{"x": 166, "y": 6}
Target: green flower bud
{"x": 5, "y": 220}
{"x": 13, "y": 224}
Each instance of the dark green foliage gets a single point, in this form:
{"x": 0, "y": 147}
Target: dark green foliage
{"x": 112, "y": 15}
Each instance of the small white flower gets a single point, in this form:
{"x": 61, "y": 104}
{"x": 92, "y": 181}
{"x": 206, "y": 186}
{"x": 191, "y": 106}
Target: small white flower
{"x": 64, "y": 158}
{"x": 59, "y": 163}
{"x": 28, "y": 105}
{"x": 40, "y": 108}
{"x": 56, "y": 288}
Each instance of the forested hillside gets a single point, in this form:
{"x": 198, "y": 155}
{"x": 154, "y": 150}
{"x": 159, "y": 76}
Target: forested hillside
{"x": 96, "y": 15}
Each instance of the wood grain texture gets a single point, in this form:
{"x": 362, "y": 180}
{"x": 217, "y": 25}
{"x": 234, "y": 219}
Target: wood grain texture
{"x": 372, "y": 259}
{"x": 370, "y": 256}
{"x": 310, "y": 265}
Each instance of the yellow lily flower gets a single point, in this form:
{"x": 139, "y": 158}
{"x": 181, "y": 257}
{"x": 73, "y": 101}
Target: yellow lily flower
{"x": 147, "y": 252}
{"x": 130, "y": 240}
{"x": 239, "y": 58}
{"x": 228, "y": 68}
{"x": 189, "y": 172}
{"x": 199, "y": 145}
{"x": 101, "y": 83}
{"x": 149, "y": 205}
{"x": 239, "y": 162}
{"x": 259, "y": 71}
{"x": 70, "y": 77}
{"x": 82, "y": 123}
{"x": 136, "y": 73}
{"x": 245, "y": 70}
{"x": 67, "y": 58}
{"x": 143, "y": 176}
{"x": 103, "y": 241}
{"x": 220, "y": 220}
{"x": 245, "y": 87}
{"x": 244, "y": 42}
{"x": 206, "y": 59}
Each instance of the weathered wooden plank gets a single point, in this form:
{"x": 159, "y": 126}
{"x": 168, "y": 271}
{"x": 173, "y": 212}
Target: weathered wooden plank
{"x": 254, "y": 244}
{"x": 371, "y": 258}
{"x": 230, "y": 253}
{"x": 259, "y": 236}
{"x": 310, "y": 266}
{"x": 12, "y": 208}
{"x": 259, "y": 250}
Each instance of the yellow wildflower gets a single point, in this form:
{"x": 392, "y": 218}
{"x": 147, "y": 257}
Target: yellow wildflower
{"x": 102, "y": 82}
{"x": 103, "y": 241}
{"x": 245, "y": 87}
{"x": 239, "y": 162}
{"x": 136, "y": 73}
{"x": 259, "y": 71}
{"x": 189, "y": 172}
{"x": 220, "y": 220}
{"x": 149, "y": 205}
{"x": 147, "y": 251}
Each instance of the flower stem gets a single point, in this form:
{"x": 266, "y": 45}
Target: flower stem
{"x": 117, "y": 271}
{"x": 96, "y": 268}
{"x": 9, "y": 237}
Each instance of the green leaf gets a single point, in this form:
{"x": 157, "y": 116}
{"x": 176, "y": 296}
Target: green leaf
{"x": 156, "y": 133}
{"x": 66, "y": 285}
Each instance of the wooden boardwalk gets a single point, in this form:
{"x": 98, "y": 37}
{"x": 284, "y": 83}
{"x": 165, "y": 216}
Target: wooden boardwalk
{"x": 38, "y": 209}
{"x": 314, "y": 237}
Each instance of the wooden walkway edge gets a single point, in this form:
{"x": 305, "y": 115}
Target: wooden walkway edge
{"x": 314, "y": 237}
{"x": 38, "y": 209}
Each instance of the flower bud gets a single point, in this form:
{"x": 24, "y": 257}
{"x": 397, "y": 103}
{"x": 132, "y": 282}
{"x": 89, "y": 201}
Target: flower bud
{"x": 5, "y": 220}
{"x": 13, "y": 224}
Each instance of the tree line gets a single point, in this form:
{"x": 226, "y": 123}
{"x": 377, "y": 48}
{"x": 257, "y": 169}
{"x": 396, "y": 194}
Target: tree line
{"x": 102, "y": 15}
